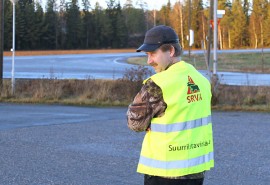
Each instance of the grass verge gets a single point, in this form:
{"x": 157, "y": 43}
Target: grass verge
{"x": 234, "y": 62}
{"x": 92, "y": 92}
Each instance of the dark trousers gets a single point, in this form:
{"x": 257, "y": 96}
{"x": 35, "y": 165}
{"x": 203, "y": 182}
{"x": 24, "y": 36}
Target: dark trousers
{"x": 154, "y": 180}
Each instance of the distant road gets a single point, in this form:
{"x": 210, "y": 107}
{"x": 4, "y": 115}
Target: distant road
{"x": 79, "y": 66}
{"x": 232, "y": 51}
{"x": 107, "y": 66}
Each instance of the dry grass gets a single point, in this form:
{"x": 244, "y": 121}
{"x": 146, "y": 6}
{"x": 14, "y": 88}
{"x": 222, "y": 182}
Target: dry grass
{"x": 250, "y": 98}
{"x": 121, "y": 92}
{"x": 82, "y": 92}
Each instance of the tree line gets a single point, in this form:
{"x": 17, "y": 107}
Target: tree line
{"x": 66, "y": 24}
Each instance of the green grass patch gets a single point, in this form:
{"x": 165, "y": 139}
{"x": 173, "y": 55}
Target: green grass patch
{"x": 240, "y": 62}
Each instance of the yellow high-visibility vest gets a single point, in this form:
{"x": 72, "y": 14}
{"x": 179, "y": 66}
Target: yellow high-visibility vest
{"x": 180, "y": 142}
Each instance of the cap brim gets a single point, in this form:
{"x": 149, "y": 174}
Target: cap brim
{"x": 148, "y": 47}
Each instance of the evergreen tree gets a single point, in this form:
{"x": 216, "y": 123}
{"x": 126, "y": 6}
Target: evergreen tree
{"x": 62, "y": 24}
{"x": 98, "y": 21}
{"x": 197, "y": 18}
{"x": 135, "y": 23}
{"x": 39, "y": 31}
{"x": 108, "y": 22}
{"x": 8, "y": 25}
{"x": 51, "y": 26}
{"x": 111, "y": 29}
{"x": 165, "y": 14}
{"x": 23, "y": 28}
{"x": 69, "y": 27}
{"x": 87, "y": 34}
{"x": 246, "y": 7}
{"x": 238, "y": 24}
{"x": 121, "y": 32}
{"x": 31, "y": 28}
{"x": 73, "y": 25}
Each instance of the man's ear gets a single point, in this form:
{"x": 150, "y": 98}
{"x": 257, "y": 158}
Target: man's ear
{"x": 172, "y": 51}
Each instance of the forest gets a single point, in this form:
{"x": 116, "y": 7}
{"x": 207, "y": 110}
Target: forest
{"x": 66, "y": 24}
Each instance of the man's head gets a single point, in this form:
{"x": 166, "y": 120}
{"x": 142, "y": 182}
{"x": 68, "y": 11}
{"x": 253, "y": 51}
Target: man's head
{"x": 161, "y": 44}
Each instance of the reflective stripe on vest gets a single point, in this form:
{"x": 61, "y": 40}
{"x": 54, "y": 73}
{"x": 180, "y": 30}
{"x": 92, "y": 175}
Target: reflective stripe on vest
{"x": 167, "y": 165}
{"x": 166, "y": 128}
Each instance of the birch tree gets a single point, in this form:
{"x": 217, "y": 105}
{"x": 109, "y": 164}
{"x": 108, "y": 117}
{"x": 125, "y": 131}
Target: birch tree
{"x": 257, "y": 18}
{"x": 225, "y": 24}
{"x": 267, "y": 27}
{"x": 176, "y": 19}
{"x": 238, "y": 24}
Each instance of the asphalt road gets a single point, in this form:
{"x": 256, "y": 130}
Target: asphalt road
{"x": 108, "y": 66}
{"x": 77, "y": 66}
{"x": 69, "y": 145}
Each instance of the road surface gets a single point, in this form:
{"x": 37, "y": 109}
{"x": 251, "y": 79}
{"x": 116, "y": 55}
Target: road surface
{"x": 54, "y": 144}
{"x": 107, "y": 66}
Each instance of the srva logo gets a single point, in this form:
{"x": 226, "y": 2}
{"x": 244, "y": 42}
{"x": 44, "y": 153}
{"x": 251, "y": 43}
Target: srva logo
{"x": 193, "y": 91}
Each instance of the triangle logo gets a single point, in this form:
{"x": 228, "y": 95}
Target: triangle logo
{"x": 192, "y": 87}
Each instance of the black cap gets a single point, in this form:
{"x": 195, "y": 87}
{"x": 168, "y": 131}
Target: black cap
{"x": 157, "y": 36}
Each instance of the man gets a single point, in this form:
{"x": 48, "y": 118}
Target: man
{"x": 174, "y": 108}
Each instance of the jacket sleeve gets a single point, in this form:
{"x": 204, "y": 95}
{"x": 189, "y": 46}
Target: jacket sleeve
{"x": 148, "y": 103}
